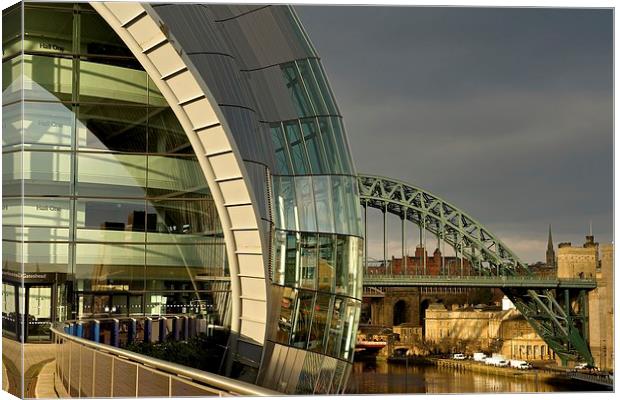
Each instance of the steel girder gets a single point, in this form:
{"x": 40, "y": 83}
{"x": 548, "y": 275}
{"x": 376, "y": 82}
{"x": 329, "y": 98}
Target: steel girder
{"x": 563, "y": 328}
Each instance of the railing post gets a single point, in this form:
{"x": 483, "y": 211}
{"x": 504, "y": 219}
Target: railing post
{"x": 96, "y": 332}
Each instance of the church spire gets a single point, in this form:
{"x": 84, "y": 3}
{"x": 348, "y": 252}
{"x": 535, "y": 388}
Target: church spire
{"x": 550, "y": 251}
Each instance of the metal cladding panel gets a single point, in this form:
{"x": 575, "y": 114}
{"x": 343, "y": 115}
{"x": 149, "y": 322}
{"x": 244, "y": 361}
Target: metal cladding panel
{"x": 264, "y": 37}
{"x": 221, "y": 73}
{"x": 193, "y": 25}
{"x": 253, "y": 141}
{"x": 223, "y": 12}
{"x": 267, "y": 85}
{"x": 258, "y": 179}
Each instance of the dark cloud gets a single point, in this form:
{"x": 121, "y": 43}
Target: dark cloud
{"x": 506, "y": 113}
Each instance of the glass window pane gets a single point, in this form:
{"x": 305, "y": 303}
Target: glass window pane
{"x": 297, "y": 148}
{"x": 296, "y": 90}
{"x": 46, "y": 173}
{"x": 12, "y": 173}
{"x": 183, "y": 221}
{"x": 331, "y": 149}
{"x": 342, "y": 264}
{"x": 327, "y": 262}
{"x": 314, "y": 146}
{"x": 110, "y": 220}
{"x": 97, "y": 37}
{"x": 183, "y": 267}
{"x": 44, "y": 219}
{"x": 343, "y": 147}
{"x": 323, "y": 198}
{"x": 111, "y": 83}
{"x": 326, "y": 93}
{"x": 336, "y": 327}
{"x": 320, "y": 322}
{"x": 12, "y": 80}
{"x": 48, "y": 125}
{"x": 12, "y": 126}
{"x": 109, "y": 267}
{"x": 175, "y": 176}
{"x": 305, "y": 202}
{"x": 311, "y": 86}
{"x": 11, "y": 30}
{"x": 339, "y": 198}
{"x": 292, "y": 276}
{"x": 286, "y": 204}
{"x": 303, "y": 319}
{"x": 47, "y": 78}
{"x": 114, "y": 128}
{"x": 286, "y": 313}
{"x": 48, "y": 30}
{"x": 48, "y": 257}
{"x": 107, "y": 175}
{"x": 283, "y": 161}
{"x": 166, "y": 135}
{"x": 279, "y": 262}
{"x": 308, "y": 261}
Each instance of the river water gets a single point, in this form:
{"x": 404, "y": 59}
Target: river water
{"x": 369, "y": 377}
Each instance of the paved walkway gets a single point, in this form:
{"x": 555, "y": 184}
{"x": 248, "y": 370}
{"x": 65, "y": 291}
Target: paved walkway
{"x": 37, "y": 358}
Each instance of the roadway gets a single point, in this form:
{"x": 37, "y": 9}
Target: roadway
{"x": 477, "y": 281}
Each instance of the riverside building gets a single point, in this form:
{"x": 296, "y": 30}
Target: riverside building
{"x": 159, "y": 158}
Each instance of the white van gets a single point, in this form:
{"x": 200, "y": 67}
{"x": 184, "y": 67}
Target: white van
{"x": 480, "y": 357}
{"x": 458, "y": 356}
{"x": 519, "y": 364}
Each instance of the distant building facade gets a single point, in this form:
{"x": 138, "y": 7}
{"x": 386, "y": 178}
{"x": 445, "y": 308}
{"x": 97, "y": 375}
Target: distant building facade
{"x": 490, "y": 330}
{"x": 422, "y": 264}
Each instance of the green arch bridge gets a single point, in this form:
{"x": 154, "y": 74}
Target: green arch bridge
{"x": 555, "y": 308}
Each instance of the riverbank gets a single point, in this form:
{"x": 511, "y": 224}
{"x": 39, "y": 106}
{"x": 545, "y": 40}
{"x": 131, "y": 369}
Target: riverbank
{"x": 422, "y": 376}
{"x": 462, "y": 365}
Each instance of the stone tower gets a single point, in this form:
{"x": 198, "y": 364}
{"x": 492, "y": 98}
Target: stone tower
{"x": 550, "y": 251}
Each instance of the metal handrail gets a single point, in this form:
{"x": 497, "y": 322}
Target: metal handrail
{"x": 207, "y": 378}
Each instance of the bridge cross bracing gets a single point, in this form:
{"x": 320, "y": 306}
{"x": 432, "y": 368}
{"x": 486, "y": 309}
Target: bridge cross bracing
{"x": 556, "y": 309}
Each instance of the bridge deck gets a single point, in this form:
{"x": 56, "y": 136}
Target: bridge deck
{"x": 477, "y": 281}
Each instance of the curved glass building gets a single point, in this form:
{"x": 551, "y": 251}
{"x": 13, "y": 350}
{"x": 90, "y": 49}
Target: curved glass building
{"x": 159, "y": 158}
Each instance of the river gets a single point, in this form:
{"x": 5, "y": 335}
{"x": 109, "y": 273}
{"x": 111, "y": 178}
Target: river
{"x": 370, "y": 377}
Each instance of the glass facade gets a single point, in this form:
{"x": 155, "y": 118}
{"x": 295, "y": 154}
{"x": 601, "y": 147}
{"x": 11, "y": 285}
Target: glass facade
{"x": 317, "y": 237}
{"x": 103, "y": 197}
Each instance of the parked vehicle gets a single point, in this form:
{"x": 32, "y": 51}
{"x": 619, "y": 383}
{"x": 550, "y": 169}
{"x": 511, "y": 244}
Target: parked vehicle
{"x": 519, "y": 364}
{"x": 480, "y": 357}
{"x": 458, "y": 356}
{"x": 496, "y": 362}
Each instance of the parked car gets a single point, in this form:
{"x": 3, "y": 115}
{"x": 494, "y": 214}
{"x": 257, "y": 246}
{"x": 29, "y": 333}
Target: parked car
{"x": 458, "y": 356}
{"x": 479, "y": 357}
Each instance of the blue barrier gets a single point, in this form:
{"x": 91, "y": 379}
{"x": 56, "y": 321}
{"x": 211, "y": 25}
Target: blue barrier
{"x": 148, "y": 330}
{"x": 131, "y": 331}
{"x": 96, "y": 331}
{"x": 162, "y": 329}
{"x": 185, "y": 328}
{"x": 115, "y": 339}
{"x": 79, "y": 329}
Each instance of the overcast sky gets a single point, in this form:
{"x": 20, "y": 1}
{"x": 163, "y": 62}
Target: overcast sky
{"x": 507, "y": 113}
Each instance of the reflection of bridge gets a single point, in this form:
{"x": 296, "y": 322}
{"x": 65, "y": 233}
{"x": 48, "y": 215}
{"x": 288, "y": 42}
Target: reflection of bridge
{"x": 477, "y": 281}
{"x": 556, "y": 309}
